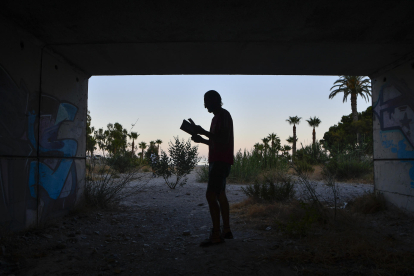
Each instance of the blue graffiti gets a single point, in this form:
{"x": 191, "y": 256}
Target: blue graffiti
{"x": 52, "y": 180}
{"x": 392, "y": 114}
{"x": 403, "y": 101}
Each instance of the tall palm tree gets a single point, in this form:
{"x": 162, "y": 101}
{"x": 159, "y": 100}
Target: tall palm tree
{"x": 294, "y": 121}
{"x": 142, "y": 146}
{"x": 353, "y": 86}
{"x": 158, "y": 142}
{"x": 313, "y": 122}
{"x": 133, "y": 136}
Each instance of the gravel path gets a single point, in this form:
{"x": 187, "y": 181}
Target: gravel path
{"x": 155, "y": 232}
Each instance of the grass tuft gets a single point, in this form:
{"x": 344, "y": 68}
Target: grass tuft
{"x": 368, "y": 203}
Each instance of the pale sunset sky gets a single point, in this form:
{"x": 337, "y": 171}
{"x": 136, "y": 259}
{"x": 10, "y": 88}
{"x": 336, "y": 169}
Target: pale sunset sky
{"x": 259, "y": 105}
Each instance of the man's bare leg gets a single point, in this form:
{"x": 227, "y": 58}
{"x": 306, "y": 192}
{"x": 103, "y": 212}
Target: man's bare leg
{"x": 225, "y": 210}
{"x": 215, "y": 215}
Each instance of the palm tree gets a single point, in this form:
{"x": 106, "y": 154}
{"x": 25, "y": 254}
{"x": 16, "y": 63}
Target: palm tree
{"x": 285, "y": 149}
{"x": 133, "y": 136}
{"x": 101, "y": 137}
{"x": 258, "y": 148}
{"x": 272, "y": 137}
{"x": 292, "y": 141}
{"x": 142, "y": 146}
{"x": 275, "y": 145}
{"x": 313, "y": 122}
{"x": 158, "y": 142}
{"x": 266, "y": 146}
{"x": 294, "y": 121}
{"x": 354, "y": 86}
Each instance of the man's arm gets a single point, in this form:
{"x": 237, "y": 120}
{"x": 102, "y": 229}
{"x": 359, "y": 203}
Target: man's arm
{"x": 199, "y": 130}
{"x": 199, "y": 139}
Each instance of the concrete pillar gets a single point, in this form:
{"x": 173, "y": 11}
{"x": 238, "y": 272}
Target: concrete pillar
{"x": 393, "y": 107}
{"x": 43, "y": 105}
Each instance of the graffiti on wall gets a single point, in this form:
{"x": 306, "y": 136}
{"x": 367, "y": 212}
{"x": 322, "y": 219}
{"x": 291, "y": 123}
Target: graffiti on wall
{"x": 55, "y": 178}
{"x": 41, "y": 179}
{"x": 394, "y": 110}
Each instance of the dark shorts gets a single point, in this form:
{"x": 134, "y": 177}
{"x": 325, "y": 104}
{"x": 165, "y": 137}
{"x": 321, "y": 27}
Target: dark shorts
{"x": 217, "y": 174}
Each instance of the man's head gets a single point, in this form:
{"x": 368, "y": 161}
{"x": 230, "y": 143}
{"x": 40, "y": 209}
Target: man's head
{"x": 212, "y": 100}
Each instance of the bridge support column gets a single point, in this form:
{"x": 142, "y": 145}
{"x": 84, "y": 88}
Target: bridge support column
{"x": 43, "y": 105}
{"x": 393, "y": 126}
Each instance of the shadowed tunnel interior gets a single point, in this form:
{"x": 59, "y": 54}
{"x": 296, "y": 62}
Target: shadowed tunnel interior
{"x": 50, "y": 49}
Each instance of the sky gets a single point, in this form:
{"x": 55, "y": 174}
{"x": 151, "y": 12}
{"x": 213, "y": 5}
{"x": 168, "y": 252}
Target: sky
{"x": 259, "y": 105}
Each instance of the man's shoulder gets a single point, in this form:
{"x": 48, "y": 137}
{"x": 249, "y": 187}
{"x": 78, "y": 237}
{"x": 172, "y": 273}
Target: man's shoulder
{"x": 225, "y": 112}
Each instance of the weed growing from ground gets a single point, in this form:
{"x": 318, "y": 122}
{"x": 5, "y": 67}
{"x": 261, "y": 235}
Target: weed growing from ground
{"x": 105, "y": 187}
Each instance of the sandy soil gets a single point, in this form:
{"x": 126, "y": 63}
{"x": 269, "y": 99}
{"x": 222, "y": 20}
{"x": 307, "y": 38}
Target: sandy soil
{"x": 156, "y": 232}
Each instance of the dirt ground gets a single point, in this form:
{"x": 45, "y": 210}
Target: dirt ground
{"x": 156, "y": 232}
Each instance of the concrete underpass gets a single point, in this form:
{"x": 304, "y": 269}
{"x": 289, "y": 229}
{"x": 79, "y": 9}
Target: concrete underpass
{"x": 49, "y": 51}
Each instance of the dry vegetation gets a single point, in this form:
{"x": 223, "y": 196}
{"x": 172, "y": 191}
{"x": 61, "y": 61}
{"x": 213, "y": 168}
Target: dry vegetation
{"x": 318, "y": 175}
{"x": 361, "y": 239}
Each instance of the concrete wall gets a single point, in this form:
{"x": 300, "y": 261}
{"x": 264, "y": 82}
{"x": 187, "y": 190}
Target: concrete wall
{"x": 43, "y": 104}
{"x": 393, "y": 107}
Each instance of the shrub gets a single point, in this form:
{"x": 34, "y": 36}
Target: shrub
{"x": 246, "y": 167}
{"x": 105, "y": 188}
{"x": 368, "y": 203}
{"x": 275, "y": 187}
{"x": 122, "y": 162}
{"x": 312, "y": 154}
{"x": 249, "y": 165}
{"x": 202, "y": 173}
{"x": 348, "y": 166}
{"x": 301, "y": 221}
{"x": 303, "y": 166}
{"x": 181, "y": 161}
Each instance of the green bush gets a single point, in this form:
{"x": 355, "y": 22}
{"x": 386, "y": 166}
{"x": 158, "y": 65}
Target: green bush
{"x": 303, "y": 166}
{"x": 349, "y": 166}
{"x": 274, "y": 187}
{"x": 181, "y": 161}
{"x": 122, "y": 162}
{"x": 249, "y": 165}
{"x": 202, "y": 173}
{"x": 312, "y": 154}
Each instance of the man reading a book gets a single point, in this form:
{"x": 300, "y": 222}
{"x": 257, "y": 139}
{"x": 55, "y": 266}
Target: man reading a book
{"x": 220, "y": 156}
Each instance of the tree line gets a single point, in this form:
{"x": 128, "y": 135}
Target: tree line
{"x": 114, "y": 140}
{"x": 354, "y": 130}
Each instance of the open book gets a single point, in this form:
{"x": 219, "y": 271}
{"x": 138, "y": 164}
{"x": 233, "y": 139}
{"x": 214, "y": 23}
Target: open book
{"x": 187, "y": 127}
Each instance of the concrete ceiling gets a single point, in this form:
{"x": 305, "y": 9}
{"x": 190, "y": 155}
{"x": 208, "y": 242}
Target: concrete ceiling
{"x": 319, "y": 37}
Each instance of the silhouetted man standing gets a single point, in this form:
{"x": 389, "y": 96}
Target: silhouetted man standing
{"x": 220, "y": 156}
